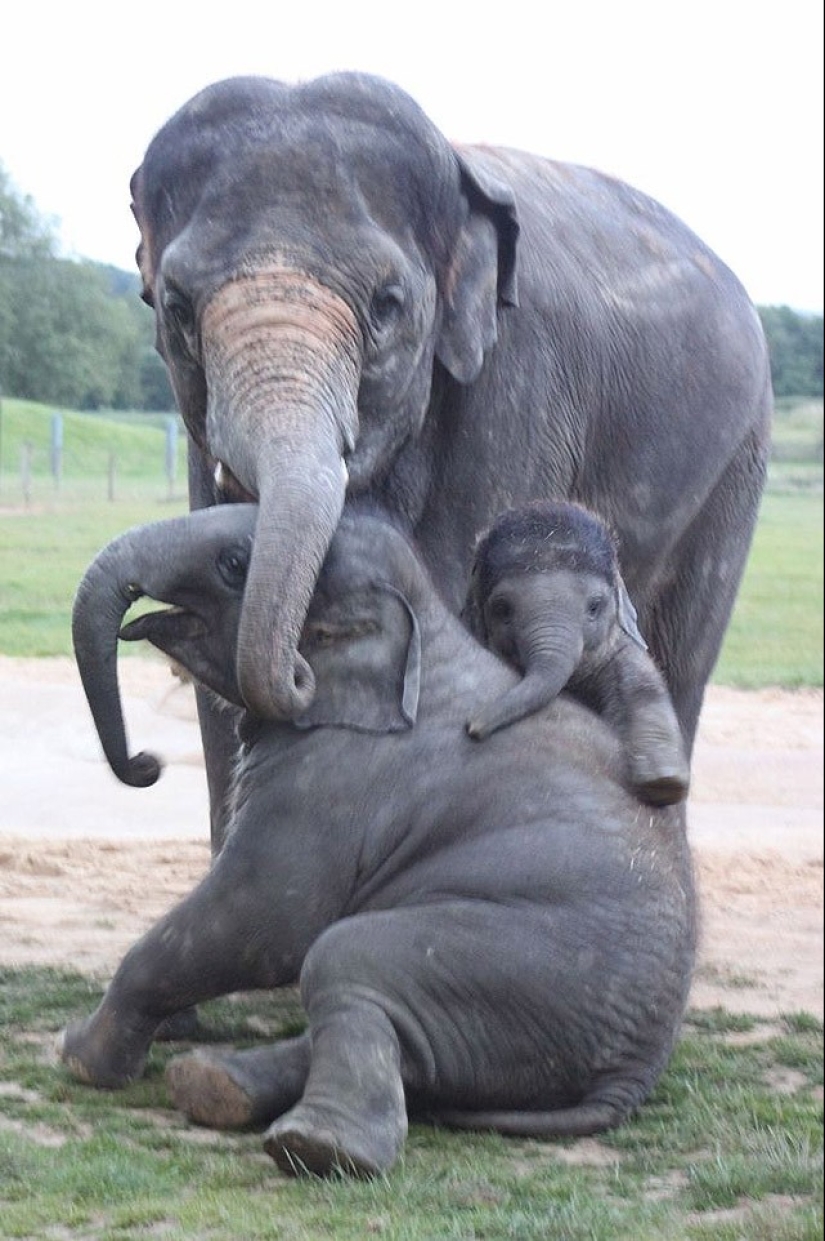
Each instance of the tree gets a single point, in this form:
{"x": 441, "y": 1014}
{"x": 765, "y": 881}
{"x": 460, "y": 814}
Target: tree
{"x": 795, "y": 343}
{"x": 71, "y": 333}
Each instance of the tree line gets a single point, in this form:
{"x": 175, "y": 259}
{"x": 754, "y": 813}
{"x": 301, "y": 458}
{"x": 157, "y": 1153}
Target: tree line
{"x": 75, "y": 333}
{"x": 72, "y": 333}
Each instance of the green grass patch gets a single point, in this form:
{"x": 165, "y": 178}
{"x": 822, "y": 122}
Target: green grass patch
{"x": 137, "y": 442}
{"x": 718, "y": 1151}
{"x": 797, "y": 431}
{"x": 776, "y": 633}
{"x": 43, "y": 555}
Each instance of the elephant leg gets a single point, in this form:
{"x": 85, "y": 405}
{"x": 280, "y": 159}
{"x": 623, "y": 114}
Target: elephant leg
{"x": 240, "y": 1089}
{"x": 352, "y": 1116}
{"x": 217, "y": 724}
{"x": 401, "y": 1003}
{"x": 659, "y": 771}
{"x": 218, "y": 727}
{"x": 652, "y": 738}
{"x": 689, "y": 619}
{"x": 478, "y": 1014}
{"x": 204, "y": 947}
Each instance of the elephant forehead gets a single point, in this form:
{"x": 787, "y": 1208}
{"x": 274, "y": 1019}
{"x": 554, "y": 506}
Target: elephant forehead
{"x": 329, "y": 178}
{"x": 368, "y": 548}
{"x": 224, "y": 522}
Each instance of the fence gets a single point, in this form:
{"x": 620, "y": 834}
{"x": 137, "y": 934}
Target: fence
{"x": 48, "y": 457}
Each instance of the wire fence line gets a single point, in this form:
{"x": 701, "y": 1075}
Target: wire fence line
{"x": 77, "y": 458}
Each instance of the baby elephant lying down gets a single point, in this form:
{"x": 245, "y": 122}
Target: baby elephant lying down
{"x": 493, "y": 936}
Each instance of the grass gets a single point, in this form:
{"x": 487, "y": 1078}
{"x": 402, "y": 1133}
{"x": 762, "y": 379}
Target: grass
{"x": 47, "y": 542}
{"x": 43, "y": 555}
{"x": 775, "y": 635}
{"x": 719, "y": 1152}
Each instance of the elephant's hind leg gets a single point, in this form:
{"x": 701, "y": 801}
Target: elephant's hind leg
{"x": 241, "y": 1089}
{"x": 352, "y": 1117}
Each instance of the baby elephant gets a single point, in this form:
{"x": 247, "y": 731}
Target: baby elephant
{"x": 547, "y": 595}
{"x": 491, "y": 936}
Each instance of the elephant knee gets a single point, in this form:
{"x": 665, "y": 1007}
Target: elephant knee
{"x": 340, "y": 957}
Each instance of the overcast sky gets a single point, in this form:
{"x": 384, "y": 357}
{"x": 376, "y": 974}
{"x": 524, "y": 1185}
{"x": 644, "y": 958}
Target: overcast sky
{"x": 712, "y": 106}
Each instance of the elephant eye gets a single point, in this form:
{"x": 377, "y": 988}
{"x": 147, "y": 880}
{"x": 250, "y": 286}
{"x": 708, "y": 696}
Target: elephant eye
{"x": 500, "y": 609}
{"x": 596, "y": 605}
{"x": 321, "y": 635}
{"x": 386, "y": 306}
{"x": 178, "y": 309}
{"x": 233, "y": 565}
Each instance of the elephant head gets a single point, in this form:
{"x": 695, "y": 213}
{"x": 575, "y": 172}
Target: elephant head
{"x": 199, "y": 564}
{"x": 546, "y": 594}
{"x": 310, "y": 251}
{"x": 361, "y": 635}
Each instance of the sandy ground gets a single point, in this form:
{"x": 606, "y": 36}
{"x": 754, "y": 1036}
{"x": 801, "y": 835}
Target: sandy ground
{"x": 87, "y": 864}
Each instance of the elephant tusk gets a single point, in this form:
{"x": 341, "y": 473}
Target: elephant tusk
{"x": 229, "y": 487}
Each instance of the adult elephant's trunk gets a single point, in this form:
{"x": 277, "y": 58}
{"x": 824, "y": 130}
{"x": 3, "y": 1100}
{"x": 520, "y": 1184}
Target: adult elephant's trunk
{"x": 129, "y": 567}
{"x": 282, "y": 357}
{"x": 549, "y": 654}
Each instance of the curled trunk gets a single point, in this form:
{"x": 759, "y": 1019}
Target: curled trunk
{"x": 550, "y": 656}
{"x": 119, "y": 575}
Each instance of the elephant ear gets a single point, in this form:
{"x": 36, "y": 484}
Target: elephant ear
{"x": 367, "y": 665}
{"x": 482, "y": 272}
{"x": 472, "y": 613}
{"x": 143, "y": 254}
{"x": 626, "y": 612}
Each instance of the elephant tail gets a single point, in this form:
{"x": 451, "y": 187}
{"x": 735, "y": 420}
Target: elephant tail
{"x": 592, "y": 1115}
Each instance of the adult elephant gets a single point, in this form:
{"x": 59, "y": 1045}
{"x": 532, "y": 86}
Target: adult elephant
{"x": 346, "y": 301}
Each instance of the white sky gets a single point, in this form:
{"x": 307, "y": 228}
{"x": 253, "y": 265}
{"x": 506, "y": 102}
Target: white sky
{"x": 712, "y": 106}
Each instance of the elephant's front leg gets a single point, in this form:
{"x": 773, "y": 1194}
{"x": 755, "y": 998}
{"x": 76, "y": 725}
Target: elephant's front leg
{"x": 212, "y": 943}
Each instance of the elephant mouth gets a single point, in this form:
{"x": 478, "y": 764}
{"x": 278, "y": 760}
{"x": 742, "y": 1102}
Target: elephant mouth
{"x": 228, "y": 487}
{"x": 165, "y": 627}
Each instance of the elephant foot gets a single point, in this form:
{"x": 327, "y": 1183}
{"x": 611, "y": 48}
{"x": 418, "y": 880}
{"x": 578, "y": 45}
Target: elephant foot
{"x": 239, "y": 1090}
{"x": 205, "y": 1091}
{"x": 665, "y": 790}
{"x": 182, "y": 1027}
{"x": 659, "y": 772}
{"x": 102, "y": 1052}
{"x": 310, "y": 1141}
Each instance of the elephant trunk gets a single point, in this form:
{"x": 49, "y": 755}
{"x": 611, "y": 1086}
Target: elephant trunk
{"x": 549, "y": 655}
{"x": 283, "y": 359}
{"x": 124, "y": 571}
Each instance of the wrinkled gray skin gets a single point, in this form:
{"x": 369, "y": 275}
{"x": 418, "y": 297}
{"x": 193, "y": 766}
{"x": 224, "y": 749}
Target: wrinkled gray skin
{"x": 494, "y": 936}
{"x": 546, "y": 594}
{"x": 342, "y": 295}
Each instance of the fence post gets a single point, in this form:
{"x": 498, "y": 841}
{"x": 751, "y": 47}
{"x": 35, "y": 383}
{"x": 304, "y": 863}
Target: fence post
{"x": 57, "y": 449}
{"x": 112, "y": 464}
{"x": 26, "y": 471}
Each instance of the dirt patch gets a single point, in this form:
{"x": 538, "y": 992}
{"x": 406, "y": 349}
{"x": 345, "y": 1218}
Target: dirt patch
{"x": 86, "y": 865}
